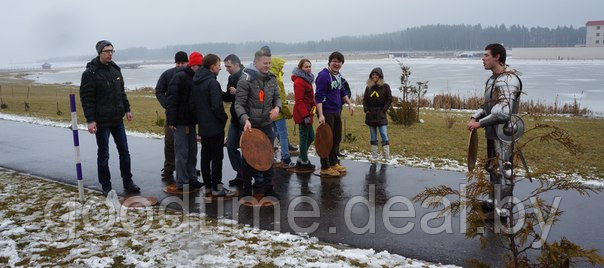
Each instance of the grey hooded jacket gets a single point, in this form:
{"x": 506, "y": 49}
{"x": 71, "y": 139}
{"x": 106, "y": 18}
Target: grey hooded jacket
{"x": 248, "y": 101}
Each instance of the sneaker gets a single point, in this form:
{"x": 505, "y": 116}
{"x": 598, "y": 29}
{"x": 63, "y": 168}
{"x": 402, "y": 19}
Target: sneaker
{"x": 339, "y": 168}
{"x": 307, "y": 166}
{"x": 330, "y": 172}
{"x": 235, "y": 182}
{"x": 224, "y": 192}
{"x": 286, "y": 165}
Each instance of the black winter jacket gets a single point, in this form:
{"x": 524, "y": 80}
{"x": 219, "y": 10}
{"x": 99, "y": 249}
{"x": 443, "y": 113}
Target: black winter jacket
{"x": 180, "y": 109}
{"x": 207, "y": 98}
{"x": 161, "y": 89}
{"x": 102, "y": 94}
{"x": 228, "y": 97}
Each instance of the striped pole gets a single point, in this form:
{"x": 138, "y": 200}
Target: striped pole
{"x": 76, "y": 144}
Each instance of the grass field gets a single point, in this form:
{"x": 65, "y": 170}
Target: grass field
{"x": 432, "y": 140}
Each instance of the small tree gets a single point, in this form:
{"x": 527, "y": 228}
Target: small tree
{"x": 536, "y": 213}
{"x": 420, "y": 91}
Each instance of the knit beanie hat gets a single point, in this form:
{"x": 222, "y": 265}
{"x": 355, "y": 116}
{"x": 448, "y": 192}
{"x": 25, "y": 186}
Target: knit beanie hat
{"x": 195, "y": 59}
{"x": 102, "y": 44}
{"x": 181, "y": 56}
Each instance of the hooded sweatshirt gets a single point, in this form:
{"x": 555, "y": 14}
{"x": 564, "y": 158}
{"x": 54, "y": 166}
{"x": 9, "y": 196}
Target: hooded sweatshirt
{"x": 330, "y": 91}
{"x": 277, "y": 69}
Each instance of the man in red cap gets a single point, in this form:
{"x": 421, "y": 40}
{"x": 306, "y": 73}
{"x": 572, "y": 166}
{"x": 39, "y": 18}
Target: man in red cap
{"x": 180, "y": 118}
{"x": 181, "y": 59}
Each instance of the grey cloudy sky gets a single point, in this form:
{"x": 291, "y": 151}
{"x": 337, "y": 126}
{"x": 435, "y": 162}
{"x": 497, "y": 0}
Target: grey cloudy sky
{"x": 38, "y": 29}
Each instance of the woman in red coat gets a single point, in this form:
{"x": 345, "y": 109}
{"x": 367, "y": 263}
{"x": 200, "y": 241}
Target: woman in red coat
{"x": 304, "y": 110}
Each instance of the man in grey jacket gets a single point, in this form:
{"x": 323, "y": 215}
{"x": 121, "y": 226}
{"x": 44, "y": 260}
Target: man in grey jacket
{"x": 257, "y": 104}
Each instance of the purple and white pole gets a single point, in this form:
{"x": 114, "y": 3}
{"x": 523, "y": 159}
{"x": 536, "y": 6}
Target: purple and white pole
{"x": 76, "y": 144}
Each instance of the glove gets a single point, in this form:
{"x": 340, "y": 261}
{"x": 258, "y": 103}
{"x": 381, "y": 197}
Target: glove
{"x": 307, "y": 120}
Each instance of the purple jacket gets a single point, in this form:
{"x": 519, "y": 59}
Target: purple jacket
{"x": 329, "y": 92}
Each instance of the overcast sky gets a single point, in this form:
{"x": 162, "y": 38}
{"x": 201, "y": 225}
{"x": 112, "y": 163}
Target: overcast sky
{"x": 38, "y": 29}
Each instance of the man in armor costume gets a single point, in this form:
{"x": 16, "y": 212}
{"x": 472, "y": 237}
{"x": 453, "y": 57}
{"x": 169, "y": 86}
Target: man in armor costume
{"x": 498, "y": 116}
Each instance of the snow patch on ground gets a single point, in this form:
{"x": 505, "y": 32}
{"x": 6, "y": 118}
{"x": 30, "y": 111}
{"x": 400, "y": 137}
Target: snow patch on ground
{"x": 48, "y": 122}
{"x": 90, "y": 237}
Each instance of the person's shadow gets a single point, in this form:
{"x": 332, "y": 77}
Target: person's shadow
{"x": 378, "y": 179}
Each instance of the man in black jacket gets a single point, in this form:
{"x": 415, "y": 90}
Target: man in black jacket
{"x": 232, "y": 64}
{"x": 105, "y": 104}
{"x": 207, "y": 96}
{"x": 181, "y": 121}
{"x": 181, "y": 60}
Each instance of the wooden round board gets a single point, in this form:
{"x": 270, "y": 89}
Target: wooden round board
{"x": 472, "y": 149}
{"x": 323, "y": 140}
{"x": 210, "y": 198}
{"x": 317, "y": 172}
{"x": 255, "y": 201}
{"x": 138, "y": 201}
{"x": 257, "y": 149}
{"x": 172, "y": 189}
{"x": 300, "y": 171}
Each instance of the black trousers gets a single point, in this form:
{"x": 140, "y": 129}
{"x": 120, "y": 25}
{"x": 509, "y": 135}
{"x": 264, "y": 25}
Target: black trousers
{"x": 335, "y": 122}
{"x": 211, "y": 156}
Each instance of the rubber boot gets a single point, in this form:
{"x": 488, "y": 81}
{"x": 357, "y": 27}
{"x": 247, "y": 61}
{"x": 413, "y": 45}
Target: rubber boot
{"x": 374, "y": 153}
{"x": 386, "y": 149}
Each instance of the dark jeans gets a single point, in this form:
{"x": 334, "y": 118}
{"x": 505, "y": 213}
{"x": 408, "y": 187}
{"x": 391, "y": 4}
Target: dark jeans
{"x": 211, "y": 155}
{"x": 169, "y": 158}
{"x": 232, "y": 145}
{"x": 335, "y": 122}
{"x": 266, "y": 176}
{"x": 102, "y": 141}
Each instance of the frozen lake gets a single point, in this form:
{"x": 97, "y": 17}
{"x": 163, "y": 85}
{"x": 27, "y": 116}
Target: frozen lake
{"x": 546, "y": 81}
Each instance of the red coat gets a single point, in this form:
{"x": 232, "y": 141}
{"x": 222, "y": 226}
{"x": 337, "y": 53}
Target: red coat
{"x": 304, "y": 99}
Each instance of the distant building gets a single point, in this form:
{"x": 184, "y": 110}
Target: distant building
{"x": 593, "y": 48}
{"x": 595, "y": 33}
{"x": 46, "y": 66}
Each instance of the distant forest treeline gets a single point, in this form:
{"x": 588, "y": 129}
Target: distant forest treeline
{"x": 424, "y": 38}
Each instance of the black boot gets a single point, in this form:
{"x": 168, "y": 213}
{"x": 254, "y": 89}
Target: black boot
{"x": 130, "y": 187}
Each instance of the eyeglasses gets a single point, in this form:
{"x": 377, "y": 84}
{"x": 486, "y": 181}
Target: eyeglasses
{"x": 108, "y": 51}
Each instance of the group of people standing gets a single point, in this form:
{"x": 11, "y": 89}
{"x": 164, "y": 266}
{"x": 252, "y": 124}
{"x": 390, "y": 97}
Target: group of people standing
{"x": 193, "y": 99}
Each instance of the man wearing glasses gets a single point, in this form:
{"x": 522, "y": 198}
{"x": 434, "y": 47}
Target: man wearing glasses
{"x": 105, "y": 103}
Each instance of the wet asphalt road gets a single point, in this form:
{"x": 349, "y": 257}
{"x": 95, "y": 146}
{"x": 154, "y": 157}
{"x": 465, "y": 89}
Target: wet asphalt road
{"x": 340, "y": 217}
